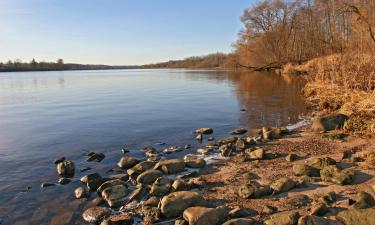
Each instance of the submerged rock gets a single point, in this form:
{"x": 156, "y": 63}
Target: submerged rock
{"x": 204, "y": 216}
{"x": 96, "y": 214}
{"x": 238, "y": 131}
{"x": 64, "y": 181}
{"x": 66, "y": 168}
{"x": 98, "y": 157}
{"x": 283, "y": 218}
{"x": 175, "y": 203}
{"x": 81, "y": 193}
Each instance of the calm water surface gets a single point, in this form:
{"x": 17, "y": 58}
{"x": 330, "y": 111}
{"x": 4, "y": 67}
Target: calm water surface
{"x": 46, "y": 115}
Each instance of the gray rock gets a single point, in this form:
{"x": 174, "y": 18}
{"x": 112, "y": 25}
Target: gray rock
{"x": 66, "y": 168}
{"x": 96, "y": 214}
{"x": 175, "y": 203}
{"x": 127, "y": 162}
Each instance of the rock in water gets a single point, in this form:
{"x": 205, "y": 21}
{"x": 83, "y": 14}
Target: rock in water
{"x": 96, "y": 214}
{"x": 175, "y": 203}
{"x": 149, "y": 176}
{"x": 337, "y": 176}
{"x": 140, "y": 168}
{"x": 93, "y": 176}
{"x": 241, "y": 221}
{"x": 204, "y": 131}
{"x": 128, "y": 162}
{"x": 81, "y": 193}
{"x": 283, "y": 218}
{"x": 238, "y": 131}
{"x": 357, "y": 217}
{"x": 328, "y": 123}
{"x": 283, "y": 185}
{"x": 171, "y": 166}
{"x": 66, "y": 168}
{"x": 204, "y": 216}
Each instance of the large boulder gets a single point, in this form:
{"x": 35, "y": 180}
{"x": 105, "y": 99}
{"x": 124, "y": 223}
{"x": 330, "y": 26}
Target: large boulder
{"x": 320, "y": 163}
{"x": 328, "y": 123}
{"x": 305, "y": 170}
{"x": 283, "y": 185}
{"x": 283, "y": 218}
{"x": 337, "y": 176}
{"x": 171, "y": 166}
{"x": 128, "y": 162}
{"x": 66, "y": 168}
{"x": 357, "y": 217}
{"x": 149, "y": 176}
{"x": 96, "y": 214}
{"x": 175, "y": 203}
{"x": 204, "y": 216}
{"x": 240, "y": 221}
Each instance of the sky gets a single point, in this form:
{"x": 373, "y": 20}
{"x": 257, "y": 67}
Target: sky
{"x": 117, "y": 32}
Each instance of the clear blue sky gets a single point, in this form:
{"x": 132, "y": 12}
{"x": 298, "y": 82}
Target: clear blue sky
{"x": 117, "y": 32}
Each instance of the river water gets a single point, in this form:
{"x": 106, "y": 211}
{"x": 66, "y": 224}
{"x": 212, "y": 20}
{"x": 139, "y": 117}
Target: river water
{"x": 47, "y": 115}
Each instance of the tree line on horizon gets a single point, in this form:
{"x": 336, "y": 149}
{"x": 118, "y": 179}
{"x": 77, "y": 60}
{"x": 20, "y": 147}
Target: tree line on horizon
{"x": 277, "y": 32}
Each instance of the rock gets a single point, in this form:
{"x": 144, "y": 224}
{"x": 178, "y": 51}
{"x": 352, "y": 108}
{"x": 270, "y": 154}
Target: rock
{"x": 241, "y": 212}
{"x": 272, "y": 133}
{"x": 252, "y": 191}
{"x": 268, "y": 209}
{"x": 123, "y": 177}
{"x": 171, "y": 166}
{"x": 110, "y": 183}
{"x": 226, "y": 150}
{"x": 149, "y": 176}
{"x": 210, "y": 138}
{"x": 161, "y": 186}
{"x": 140, "y": 168}
{"x": 127, "y": 162}
{"x": 240, "y": 145}
{"x": 319, "y": 209}
{"x": 140, "y": 192}
{"x": 124, "y": 150}
{"x": 196, "y": 182}
{"x": 228, "y": 140}
{"x": 59, "y": 160}
{"x": 238, "y": 131}
{"x": 81, "y": 192}
{"x": 44, "y": 185}
{"x": 328, "y": 123}
{"x": 195, "y": 163}
{"x": 283, "y": 218}
{"x": 256, "y": 154}
{"x": 115, "y": 195}
{"x": 363, "y": 201}
{"x": 204, "y": 131}
{"x": 94, "y": 184}
{"x": 180, "y": 185}
{"x": 199, "y": 137}
{"x": 305, "y": 170}
{"x": 120, "y": 219}
{"x": 175, "y": 203}
{"x": 298, "y": 201}
{"x": 66, "y": 168}
{"x": 291, "y": 157}
{"x": 96, "y": 214}
{"x": 97, "y": 201}
{"x": 357, "y": 216}
{"x": 283, "y": 185}
{"x": 337, "y": 176}
{"x": 240, "y": 221}
{"x": 313, "y": 220}
{"x": 153, "y": 201}
{"x": 250, "y": 141}
{"x": 181, "y": 222}
{"x": 98, "y": 157}
{"x": 93, "y": 176}
{"x": 329, "y": 198}
{"x": 64, "y": 181}
{"x": 172, "y": 149}
{"x": 204, "y": 216}
{"x": 320, "y": 163}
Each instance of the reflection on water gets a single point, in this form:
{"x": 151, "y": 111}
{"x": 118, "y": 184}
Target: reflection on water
{"x": 46, "y": 115}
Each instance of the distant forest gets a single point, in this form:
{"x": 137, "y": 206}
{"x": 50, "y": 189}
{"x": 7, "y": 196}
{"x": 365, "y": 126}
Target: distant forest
{"x": 33, "y": 65}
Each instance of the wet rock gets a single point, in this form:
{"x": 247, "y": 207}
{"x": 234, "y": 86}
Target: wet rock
{"x": 110, "y": 183}
{"x": 59, "y": 160}
{"x": 44, "y": 185}
{"x": 204, "y": 131}
{"x": 81, "y": 192}
{"x": 241, "y": 212}
{"x": 238, "y": 131}
{"x": 149, "y": 176}
{"x": 319, "y": 209}
{"x": 228, "y": 140}
{"x": 120, "y": 219}
{"x": 152, "y": 201}
{"x": 180, "y": 185}
{"x": 97, "y": 201}
{"x": 204, "y": 151}
{"x": 291, "y": 157}
{"x": 172, "y": 149}
{"x": 283, "y": 185}
{"x": 199, "y": 137}
{"x": 363, "y": 201}
{"x": 320, "y": 163}
{"x": 96, "y": 214}
{"x": 226, "y": 150}
{"x": 252, "y": 191}
{"x": 98, "y": 157}
{"x": 305, "y": 170}
{"x": 337, "y": 176}
{"x": 123, "y": 177}
{"x": 94, "y": 184}
{"x": 283, "y": 218}
{"x": 240, "y": 145}
{"x": 210, "y": 138}
{"x": 140, "y": 168}
{"x": 115, "y": 195}
{"x": 328, "y": 123}
{"x": 250, "y": 141}
{"x": 268, "y": 209}
{"x": 256, "y": 154}
{"x": 187, "y": 146}
{"x": 181, "y": 222}
{"x": 357, "y": 217}
{"x": 171, "y": 166}
{"x": 93, "y": 176}
{"x": 64, "y": 181}
{"x": 161, "y": 186}
{"x": 313, "y": 220}
{"x": 175, "y": 203}
{"x": 204, "y": 216}
{"x": 195, "y": 163}
{"x": 66, "y": 168}
{"x": 85, "y": 169}
{"x": 240, "y": 221}
{"x": 127, "y": 162}
{"x": 124, "y": 150}
{"x": 149, "y": 149}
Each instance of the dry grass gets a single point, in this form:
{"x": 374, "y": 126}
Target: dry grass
{"x": 344, "y": 84}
